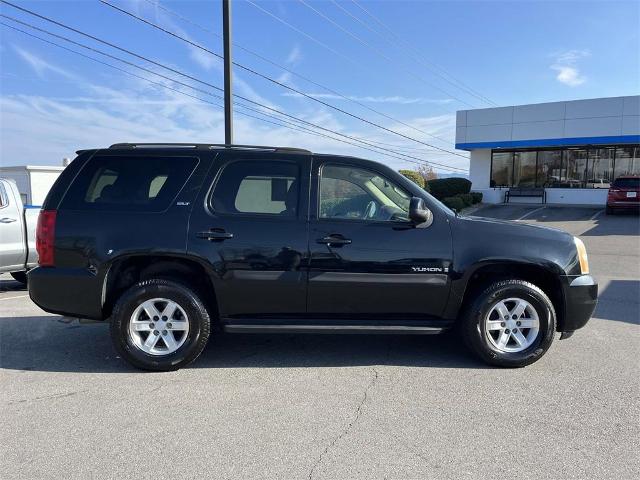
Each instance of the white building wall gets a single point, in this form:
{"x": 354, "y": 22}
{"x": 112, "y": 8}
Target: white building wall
{"x": 599, "y": 117}
{"x": 34, "y": 182}
{"x": 577, "y": 196}
{"x": 41, "y": 183}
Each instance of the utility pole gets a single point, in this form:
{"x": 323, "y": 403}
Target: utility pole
{"x": 228, "y": 74}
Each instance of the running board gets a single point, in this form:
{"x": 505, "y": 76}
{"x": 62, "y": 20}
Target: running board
{"x": 387, "y": 329}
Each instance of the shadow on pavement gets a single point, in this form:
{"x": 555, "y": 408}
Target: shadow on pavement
{"x": 7, "y": 284}
{"x": 46, "y": 344}
{"x": 620, "y": 302}
{"x": 622, "y": 223}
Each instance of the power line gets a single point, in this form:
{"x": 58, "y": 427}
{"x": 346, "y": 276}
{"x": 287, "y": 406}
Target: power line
{"x": 277, "y": 82}
{"x": 426, "y": 63}
{"x": 332, "y": 50}
{"x": 157, "y": 4}
{"x": 383, "y": 150}
{"x": 381, "y": 54}
{"x": 158, "y": 84}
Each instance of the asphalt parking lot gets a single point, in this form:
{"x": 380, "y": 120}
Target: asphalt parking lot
{"x": 334, "y": 407}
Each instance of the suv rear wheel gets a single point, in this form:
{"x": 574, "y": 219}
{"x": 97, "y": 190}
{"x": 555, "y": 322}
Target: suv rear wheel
{"x": 160, "y": 325}
{"x": 510, "y": 324}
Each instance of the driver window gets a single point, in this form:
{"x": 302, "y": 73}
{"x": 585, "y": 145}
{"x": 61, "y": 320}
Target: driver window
{"x": 354, "y": 193}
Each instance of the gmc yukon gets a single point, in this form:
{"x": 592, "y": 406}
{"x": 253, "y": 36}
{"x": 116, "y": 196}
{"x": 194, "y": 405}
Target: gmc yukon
{"x": 171, "y": 243}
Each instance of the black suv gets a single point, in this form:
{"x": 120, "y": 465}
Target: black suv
{"x": 173, "y": 242}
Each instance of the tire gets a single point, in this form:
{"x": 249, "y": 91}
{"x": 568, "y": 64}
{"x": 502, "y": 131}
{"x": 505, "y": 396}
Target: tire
{"x": 177, "y": 339}
{"x": 609, "y": 211}
{"x": 483, "y": 328}
{"x": 20, "y": 277}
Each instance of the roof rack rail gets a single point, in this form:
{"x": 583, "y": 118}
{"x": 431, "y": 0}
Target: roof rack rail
{"x": 208, "y": 146}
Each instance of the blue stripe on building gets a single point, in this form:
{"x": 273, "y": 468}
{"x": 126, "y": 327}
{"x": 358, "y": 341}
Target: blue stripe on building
{"x": 553, "y": 142}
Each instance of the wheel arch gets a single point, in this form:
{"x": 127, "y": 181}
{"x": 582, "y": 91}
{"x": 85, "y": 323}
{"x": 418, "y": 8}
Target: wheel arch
{"x": 125, "y": 271}
{"x": 482, "y": 274}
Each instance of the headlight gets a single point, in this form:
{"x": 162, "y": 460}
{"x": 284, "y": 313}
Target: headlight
{"x": 582, "y": 256}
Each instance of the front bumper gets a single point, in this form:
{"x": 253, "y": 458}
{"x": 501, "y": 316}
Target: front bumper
{"x": 580, "y": 300}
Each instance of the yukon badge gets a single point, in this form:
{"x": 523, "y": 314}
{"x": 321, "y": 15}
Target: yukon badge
{"x": 427, "y": 269}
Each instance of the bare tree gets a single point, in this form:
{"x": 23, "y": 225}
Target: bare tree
{"x": 426, "y": 172}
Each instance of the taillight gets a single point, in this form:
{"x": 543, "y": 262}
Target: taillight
{"x": 45, "y": 237}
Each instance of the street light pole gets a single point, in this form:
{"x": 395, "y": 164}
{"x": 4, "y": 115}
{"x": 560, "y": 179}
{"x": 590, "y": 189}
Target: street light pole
{"x": 228, "y": 74}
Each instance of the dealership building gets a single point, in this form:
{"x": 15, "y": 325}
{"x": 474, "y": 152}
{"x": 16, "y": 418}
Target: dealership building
{"x": 572, "y": 150}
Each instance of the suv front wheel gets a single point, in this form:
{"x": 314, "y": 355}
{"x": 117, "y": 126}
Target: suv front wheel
{"x": 159, "y": 325}
{"x": 510, "y": 324}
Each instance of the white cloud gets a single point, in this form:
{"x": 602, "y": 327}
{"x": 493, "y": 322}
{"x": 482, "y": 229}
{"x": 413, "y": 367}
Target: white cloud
{"x": 285, "y": 77}
{"x": 96, "y": 115}
{"x": 137, "y": 112}
{"x": 204, "y": 59}
{"x": 40, "y": 66}
{"x": 569, "y": 75}
{"x": 295, "y": 55}
{"x": 566, "y": 66}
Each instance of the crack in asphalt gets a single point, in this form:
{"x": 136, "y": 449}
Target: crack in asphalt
{"x": 356, "y": 417}
{"x": 47, "y": 397}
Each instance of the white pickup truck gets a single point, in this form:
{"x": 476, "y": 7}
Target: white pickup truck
{"x": 17, "y": 232}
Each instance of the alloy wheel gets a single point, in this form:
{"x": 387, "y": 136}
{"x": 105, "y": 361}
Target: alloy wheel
{"x": 512, "y": 325}
{"x": 158, "y": 326}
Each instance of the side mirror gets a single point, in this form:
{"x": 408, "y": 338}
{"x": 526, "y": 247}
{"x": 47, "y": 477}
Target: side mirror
{"x": 418, "y": 212}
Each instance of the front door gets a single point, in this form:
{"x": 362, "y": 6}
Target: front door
{"x": 367, "y": 259}
{"x": 251, "y": 227}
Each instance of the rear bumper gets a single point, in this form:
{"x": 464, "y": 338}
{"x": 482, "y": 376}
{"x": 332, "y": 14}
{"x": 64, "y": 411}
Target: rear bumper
{"x": 66, "y": 291}
{"x": 580, "y": 300}
{"x": 623, "y": 204}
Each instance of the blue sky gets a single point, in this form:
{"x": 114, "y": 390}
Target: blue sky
{"x": 53, "y": 102}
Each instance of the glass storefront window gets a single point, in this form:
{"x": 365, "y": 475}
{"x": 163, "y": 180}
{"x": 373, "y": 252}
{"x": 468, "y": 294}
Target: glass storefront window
{"x": 550, "y": 173}
{"x": 576, "y": 167}
{"x": 600, "y": 167}
{"x": 524, "y": 169}
{"x": 594, "y": 167}
{"x": 627, "y": 161}
{"x": 502, "y": 169}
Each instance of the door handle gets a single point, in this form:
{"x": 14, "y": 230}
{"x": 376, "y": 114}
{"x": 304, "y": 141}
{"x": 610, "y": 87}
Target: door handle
{"x": 7, "y": 220}
{"x": 334, "y": 239}
{"x": 215, "y": 235}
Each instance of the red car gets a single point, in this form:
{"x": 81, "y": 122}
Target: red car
{"x": 624, "y": 194}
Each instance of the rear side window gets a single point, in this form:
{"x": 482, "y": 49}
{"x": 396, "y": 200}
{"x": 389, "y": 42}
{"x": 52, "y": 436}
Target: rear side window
{"x": 627, "y": 183}
{"x": 129, "y": 183}
{"x": 257, "y": 187}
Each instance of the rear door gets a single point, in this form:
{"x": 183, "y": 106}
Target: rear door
{"x": 250, "y": 225}
{"x": 367, "y": 259}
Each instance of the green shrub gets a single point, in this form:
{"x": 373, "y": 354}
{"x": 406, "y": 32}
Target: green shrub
{"x": 466, "y": 198}
{"x": 477, "y": 197}
{"x": 454, "y": 203}
{"x": 442, "y": 188}
{"x": 414, "y": 176}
